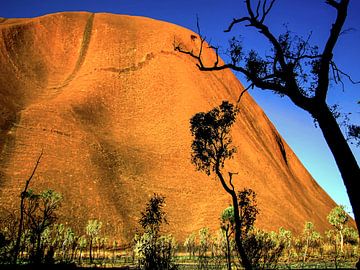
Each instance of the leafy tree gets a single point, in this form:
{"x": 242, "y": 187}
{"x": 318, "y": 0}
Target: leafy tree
{"x": 154, "y": 215}
{"x": 299, "y": 71}
{"x": 8, "y": 234}
{"x": 263, "y": 248}
{"x": 227, "y": 221}
{"x": 204, "y": 245}
{"x": 248, "y": 210}
{"x": 40, "y": 211}
{"x": 190, "y": 244}
{"x": 311, "y": 239}
{"x": 93, "y": 228}
{"x": 338, "y": 218}
{"x": 285, "y": 237}
{"x": 211, "y": 147}
{"x": 153, "y": 250}
{"x": 351, "y": 236}
{"x": 82, "y": 246}
{"x": 332, "y": 237}
{"x": 351, "y": 239}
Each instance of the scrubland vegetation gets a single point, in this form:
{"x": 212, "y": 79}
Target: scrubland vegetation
{"x": 36, "y": 236}
{"x": 46, "y": 241}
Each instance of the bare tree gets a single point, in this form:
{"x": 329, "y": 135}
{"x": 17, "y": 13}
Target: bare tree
{"x": 299, "y": 71}
{"x": 22, "y": 209}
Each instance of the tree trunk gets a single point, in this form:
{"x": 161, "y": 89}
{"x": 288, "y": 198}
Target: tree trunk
{"x": 306, "y": 249}
{"x": 90, "y": 246}
{"x": 345, "y": 160}
{"x": 238, "y": 237}
{"x": 341, "y": 242}
{"x": 228, "y": 249}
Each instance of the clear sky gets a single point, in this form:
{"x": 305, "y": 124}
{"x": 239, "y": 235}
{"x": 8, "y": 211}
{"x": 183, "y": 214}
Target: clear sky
{"x": 300, "y": 16}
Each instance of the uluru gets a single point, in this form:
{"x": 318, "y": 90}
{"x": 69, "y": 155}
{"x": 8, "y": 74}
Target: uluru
{"x": 108, "y": 101}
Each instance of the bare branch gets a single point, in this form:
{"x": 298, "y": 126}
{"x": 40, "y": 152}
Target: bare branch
{"x": 198, "y": 25}
{"x": 236, "y": 21}
{"x": 230, "y": 180}
{"x": 266, "y": 11}
{"x": 258, "y": 7}
{"x": 332, "y": 3}
{"x": 32, "y": 173}
{"x": 345, "y": 31}
{"x": 337, "y": 73}
{"x": 243, "y": 92}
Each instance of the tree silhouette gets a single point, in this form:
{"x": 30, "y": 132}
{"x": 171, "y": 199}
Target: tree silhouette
{"x": 154, "y": 215}
{"x": 22, "y": 209}
{"x": 40, "y": 213}
{"x": 295, "y": 69}
{"x": 211, "y": 147}
{"x": 154, "y": 251}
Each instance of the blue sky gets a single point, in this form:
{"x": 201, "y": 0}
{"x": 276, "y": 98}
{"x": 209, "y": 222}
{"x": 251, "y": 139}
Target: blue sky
{"x": 300, "y": 16}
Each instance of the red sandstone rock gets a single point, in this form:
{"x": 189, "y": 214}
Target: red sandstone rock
{"x": 109, "y": 101}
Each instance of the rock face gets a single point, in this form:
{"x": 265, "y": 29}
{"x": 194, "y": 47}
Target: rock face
{"x": 109, "y": 101}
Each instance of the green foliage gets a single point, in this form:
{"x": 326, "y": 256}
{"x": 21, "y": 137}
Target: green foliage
{"x": 40, "y": 213}
{"x": 263, "y": 248}
{"x": 8, "y": 226}
{"x": 227, "y": 217}
{"x": 338, "y": 217}
{"x": 92, "y": 229}
{"x": 204, "y": 241}
{"x": 351, "y": 236}
{"x": 311, "y": 239}
{"x": 190, "y": 244}
{"x": 153, "y": 251}
{"x": 212, "y": 142}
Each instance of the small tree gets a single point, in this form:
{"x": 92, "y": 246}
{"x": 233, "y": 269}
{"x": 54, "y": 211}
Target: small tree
{"x": 311, "y": 239}
{"x": 82, "y": 246}
{"x": 227, "y": 221}
{"x": 351, "y": 239}
{"x": 338, "y": 218}
{"x": 93, "y": 228}
{"x": 204, "y": 245}
{"x": 40, "y": 211}
{"x": 285, "y": 237}
{"x": 332, "y": 238}
{"x": 190, "y": 244}
{"x": 211, "y": 147}
{"x": 154, "y": 251}
{"x": 154, "y": 215}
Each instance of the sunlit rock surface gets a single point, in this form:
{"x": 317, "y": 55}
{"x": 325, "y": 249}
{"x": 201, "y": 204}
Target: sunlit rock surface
{"x": 109, "y": 101}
